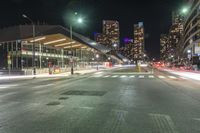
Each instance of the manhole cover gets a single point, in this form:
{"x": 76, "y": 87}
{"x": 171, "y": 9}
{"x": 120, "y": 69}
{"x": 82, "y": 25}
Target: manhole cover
{"x": 85, "y": 93}
{"x": 63, "y": 98}
{"x": 53, "y": 103}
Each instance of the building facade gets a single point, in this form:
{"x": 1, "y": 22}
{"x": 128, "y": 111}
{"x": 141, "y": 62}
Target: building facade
{"x": 139, "y": 41}
{"x": 164, "y": 47}
{"x": 53, "y": 48}
{"x": 191, "y": 37}
{"x": 170, "y": 43}
{"x": 111, "y": 34}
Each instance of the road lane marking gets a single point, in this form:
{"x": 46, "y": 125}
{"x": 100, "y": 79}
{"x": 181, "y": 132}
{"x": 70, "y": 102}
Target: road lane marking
{"x": 151, "y": 76}
{"x": 88, "y": 108}
{"x": 42, "y": 86}
{"x": 132, "y": 76}
{"x": 172, "y": 77}
{"x": 183, "y": 78}
{"x": 141, "y": 76}
{"x": 163, "y": 123}
{"x": 5, "y": 86}
{"x": 115, "y": 76}
{"x": 98, "y": 76}
{"x": 123, "y": 76}
{"x": 106, "y": 76}
{"x": 161, "y": 77}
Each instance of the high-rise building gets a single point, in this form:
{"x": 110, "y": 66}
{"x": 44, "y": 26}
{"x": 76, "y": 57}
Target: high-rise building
{"x": 175, "y": 34}
{"x": 111, "y": 30}
{"x": 128, "y": 50}
{"x": 191, "y": 36}
{"x": 164, "y": 45}
{"x": 101, "y": 38}
{"x": 110, "y": 34}
{"x": 139, "y": 41}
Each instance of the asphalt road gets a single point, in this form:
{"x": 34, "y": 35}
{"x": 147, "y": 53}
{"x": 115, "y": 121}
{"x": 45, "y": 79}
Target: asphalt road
{"x": 102, "y": 102}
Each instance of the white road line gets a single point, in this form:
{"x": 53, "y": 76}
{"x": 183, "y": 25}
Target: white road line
{"x": 172, "y": 77}
{"x": 133, "y": 76}
{"x": 106, "y": 76}
{"x": 7, "y": 86}
{"x": 97, "y": 76}
{"x": 161, "y": 77}
{"x": 41, "y": 86}
{"x": 141, "y": 76}
{"x": 183, "y": 78}
{"x": 123, "y": 76}
{"x": 115, "y": 76}
{"x": 151, "y": 76}
{"x": 196, "y": 119}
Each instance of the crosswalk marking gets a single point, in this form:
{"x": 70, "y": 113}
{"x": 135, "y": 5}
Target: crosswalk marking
{"x": 172, "y": 77}
{"x": 115, "y": 76}
{"x": 123, "y": 76}
{"x": 41, "y": 86}
{"x": 141, "y": 76}
{"x": 151, "y": 76}
{"x": 7, "y": 86}
{"x": 135, "y": 76}
{"x": 161, "y": 77}
{"x": 183, "y": 78}
{"x": 132, "y": 76}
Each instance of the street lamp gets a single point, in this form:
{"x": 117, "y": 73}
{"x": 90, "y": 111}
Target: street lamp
{"x": 185, "y": 10}
{"x": 97, "y": 56}
{"x": 33, "y": 46}
{"x": 189, "y": 51}
{"x": 78, "y": 20}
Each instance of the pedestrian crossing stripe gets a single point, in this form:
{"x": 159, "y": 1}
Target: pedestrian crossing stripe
{"x": 138, "y": 76}
{"x": 151, "y": 76}
{"x": 141, "y": 76}
{"x": 172, "y": 77}
{"x": 161, "y": 77}
{"x": 183, "y": 78}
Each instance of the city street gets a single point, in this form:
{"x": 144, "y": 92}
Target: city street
{"x": 101, "y": 102}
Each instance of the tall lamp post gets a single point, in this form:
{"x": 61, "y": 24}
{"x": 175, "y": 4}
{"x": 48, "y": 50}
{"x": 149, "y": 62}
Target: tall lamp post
{"x": 97, "y": 56}
{"x": 33, "y": 46}
{"x": 78, "y": 20}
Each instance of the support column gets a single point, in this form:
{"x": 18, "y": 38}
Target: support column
{"x": 62, "y": 57}
{"x": 16, "y": 53}
{"x": 40, "y": 53}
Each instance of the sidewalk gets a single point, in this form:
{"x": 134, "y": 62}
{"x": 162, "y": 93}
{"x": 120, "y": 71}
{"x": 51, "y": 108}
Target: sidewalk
{"x": 46, "y": 75}
{"x": 187, "y": 74}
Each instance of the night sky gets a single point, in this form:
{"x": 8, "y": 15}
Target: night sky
{"x": 156, "y": 15}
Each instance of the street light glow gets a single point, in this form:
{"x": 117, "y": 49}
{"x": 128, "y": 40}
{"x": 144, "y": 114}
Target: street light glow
{"x": 23, "y": 15}
{"x": 97, "y": 56}
{"x": 184, "y": 10}
{"x": 189, "y": 51}
{"x": 80, "y": 20}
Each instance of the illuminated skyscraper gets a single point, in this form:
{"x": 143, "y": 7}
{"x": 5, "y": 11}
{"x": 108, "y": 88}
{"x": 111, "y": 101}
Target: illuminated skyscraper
{"x": 139, "y": 41}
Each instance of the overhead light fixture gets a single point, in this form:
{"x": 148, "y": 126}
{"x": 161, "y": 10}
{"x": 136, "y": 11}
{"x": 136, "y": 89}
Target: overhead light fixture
{"x": 93, "y": 43}
{"x": 63, "y": 44}
{"x": 84, "y": 47}
{"x": 38, "y": 39}
{"x": 55, "y": 41}
{"x": 73, "y": 46}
